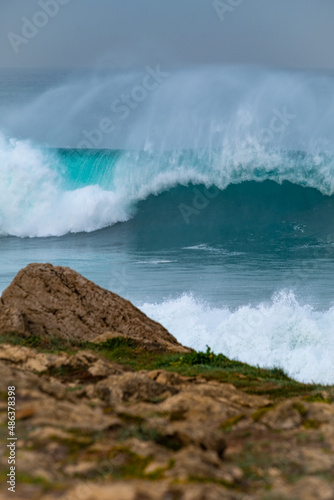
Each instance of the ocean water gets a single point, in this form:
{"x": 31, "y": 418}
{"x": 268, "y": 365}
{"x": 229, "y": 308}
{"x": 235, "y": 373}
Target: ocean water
{"x": 206, "y": 200}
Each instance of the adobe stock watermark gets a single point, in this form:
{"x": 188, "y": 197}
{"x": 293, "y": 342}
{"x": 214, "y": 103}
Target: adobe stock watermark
{"x": 200, "y": 201}
{"x": 124, "y": 106}
{"x": 225, "y": 7}
{"x": 49, "y": 9}
{"x": 278, "y": 123}
{"x": 120, "y": 280}
{"x": 82, "y": 490}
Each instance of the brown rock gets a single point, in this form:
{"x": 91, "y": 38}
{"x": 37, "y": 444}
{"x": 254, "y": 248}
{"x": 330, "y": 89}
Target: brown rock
{"x": 194, "y": 433}
{"x": 79, "y": 469}
{"x": 85, "y": 362}
{"x": 316, "y": 461}
{"x": 47, "y": 433}
{"x": 309, "y": 488}
{"x": 143, "y": 490}
{"x": 132, "y": 387}
{"x": 37, "y": 465}
{"x": 57, "y": 301}
{"x": 218, "y": 402}
{"x": 100, "y": 339}
{"x": 119, "y": 491}
{"x": 169, "y": 378}
{"x": 11, "y": 320}
{"x": 284, "y": 416}
{"x": 195, "y": 462}
{"x": 25, "y": 413}
{"x": 320, "y": 413}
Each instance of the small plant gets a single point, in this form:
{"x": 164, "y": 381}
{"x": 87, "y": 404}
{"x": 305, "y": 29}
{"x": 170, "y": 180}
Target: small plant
{"x": 46, "y": 344}
{"x": 228, "y": 425}
{"x": 204, "y": 358}
{"x": 278, "y": 373}
{"x": 301, "y": 409}
{"x": 117, "y": 342}
{"x": 33, "y": 341}
{"x": 258, "y": 414}
{"x": 317, "y": 398}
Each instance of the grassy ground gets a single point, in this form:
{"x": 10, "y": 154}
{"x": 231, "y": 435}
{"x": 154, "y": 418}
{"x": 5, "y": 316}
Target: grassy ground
{"x": 273, "y": 383}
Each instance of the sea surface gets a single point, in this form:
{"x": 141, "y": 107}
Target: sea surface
{"x": 207, "y": 200}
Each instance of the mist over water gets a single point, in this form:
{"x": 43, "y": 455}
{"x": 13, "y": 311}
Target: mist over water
{"x": 211, "y": 107}
{"x": 205, "y": 196}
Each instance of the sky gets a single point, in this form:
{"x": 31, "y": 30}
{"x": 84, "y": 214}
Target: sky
{"x": 121, "y": 33}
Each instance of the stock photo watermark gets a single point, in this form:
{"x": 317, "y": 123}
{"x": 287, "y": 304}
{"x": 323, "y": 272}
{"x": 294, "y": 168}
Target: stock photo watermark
{"x": 49, "y": 9}
{"x": 225, "y": 7}
{"x": 120, "y": 280}
{"x": 200, "y": 201}
{"x": 278, "y": 123}
{"x": 124, "y": 106}
{"x": 11, "y": 440}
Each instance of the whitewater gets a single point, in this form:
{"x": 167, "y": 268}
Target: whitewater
{"x": 211, "y": 207}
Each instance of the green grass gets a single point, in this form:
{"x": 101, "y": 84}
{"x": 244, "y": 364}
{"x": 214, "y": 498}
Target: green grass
{"x": 44, "y": 485}
{"x": 273, "y": 383}
{"x": 137, "y": 429}
{"x": 129, "y": 465}
{"x": 318, "y": 398}
{"x": 228, "y": 425}
{"x": 258, "y": 414}
{"x": 43, "y": 344}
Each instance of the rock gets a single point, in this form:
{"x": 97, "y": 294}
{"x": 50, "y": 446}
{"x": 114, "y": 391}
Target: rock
{"x": 100, "y": 339}
{"x": 12, "y": 320}
{"x": 37, "y": 465}
{"x": 167, "y": 378}
{"x": 283, "y": 417}
{"x": 203, "y": 464}
{"x": 149, "y": 449}
{"x": 85, "y": 363}
{"x": 316, "y": 461}
{"x": 79, "y": 469}
{"x": 79, "y": 416}
{"x": 25, "y": 413}
{"x": 132, "y": 387}
{"x": 16, "y": 354}
{"x": 309, "y": 488}
{"x": 99, "y": 369}
{"x": 90, "y": 428}
{"x": 193, "y": 433}
{"x": 120, "y": 491}
{"x": 47, "y": 433}
{"x": 320, "y": 413}
{"x": 144, "y": 490}
{"x": 56, "y": 301}
{"x": 219, "y": 402}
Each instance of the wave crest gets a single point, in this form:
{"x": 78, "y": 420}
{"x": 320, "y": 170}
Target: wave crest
{"x": 51, "y": 193}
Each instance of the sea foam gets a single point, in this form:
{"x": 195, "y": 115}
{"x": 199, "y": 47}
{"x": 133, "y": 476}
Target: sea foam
{"x": 281, "y": 332}
{"x": 34, "y": 202}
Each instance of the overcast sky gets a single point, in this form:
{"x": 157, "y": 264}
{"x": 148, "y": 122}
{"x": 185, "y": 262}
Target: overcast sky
{"x": 85, "y": 33}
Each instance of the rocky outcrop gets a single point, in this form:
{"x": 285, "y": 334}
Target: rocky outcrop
{"x": 49, "y": 301}
{"x": 90, "y": 428}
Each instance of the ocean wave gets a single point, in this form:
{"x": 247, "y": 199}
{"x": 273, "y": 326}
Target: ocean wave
{"x": 35, "y": 203}
{"x": 54, "y": 192}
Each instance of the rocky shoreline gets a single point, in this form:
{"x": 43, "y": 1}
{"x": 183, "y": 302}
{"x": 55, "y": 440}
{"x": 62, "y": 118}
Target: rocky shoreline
{"x": 111, "y": 406}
